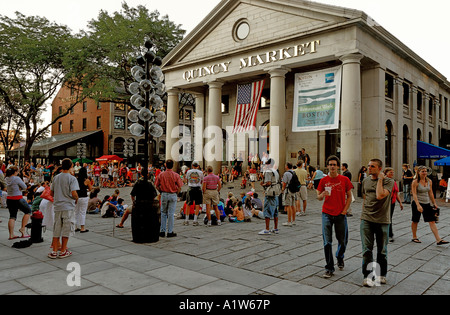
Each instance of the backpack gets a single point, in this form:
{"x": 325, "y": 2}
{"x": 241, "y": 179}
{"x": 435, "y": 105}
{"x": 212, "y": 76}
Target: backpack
{"x": 294, "y": 183}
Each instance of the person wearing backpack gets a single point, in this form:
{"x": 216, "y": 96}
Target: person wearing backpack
{"x": 291, "y": 186}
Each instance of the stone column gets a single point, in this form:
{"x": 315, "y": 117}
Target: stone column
{"x": 199, "y": 126}
{"x": 213, "y": 136}
{"x": 172, "y": 151}
{"x": 278, "y": 116}
{"x": 414, "y": 126}
{"x": 351, "y": 132}
{"x": 426, "y": 118}
{"x": 397, "y": 150}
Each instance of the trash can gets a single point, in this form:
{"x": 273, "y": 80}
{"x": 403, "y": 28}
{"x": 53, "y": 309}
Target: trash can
{"x": 146, "y": 221}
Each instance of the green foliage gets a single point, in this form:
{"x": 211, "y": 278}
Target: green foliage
{"x": 38, "y": 57}
{"x": 117, "y": 40}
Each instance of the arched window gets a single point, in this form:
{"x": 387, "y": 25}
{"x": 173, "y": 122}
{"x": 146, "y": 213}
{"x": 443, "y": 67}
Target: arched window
{"x": 118, "y": 145}
{"x": 405, "y": 144}
{"x": 419, "y": 134}
{"x": 388, "y": 143}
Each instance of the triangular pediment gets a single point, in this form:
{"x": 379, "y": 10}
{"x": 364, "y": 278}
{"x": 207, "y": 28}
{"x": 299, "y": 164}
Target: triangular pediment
{"x": 269, "y": 21}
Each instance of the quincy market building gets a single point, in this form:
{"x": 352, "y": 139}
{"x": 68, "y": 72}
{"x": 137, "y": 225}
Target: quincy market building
{"x": 383, "y": 97}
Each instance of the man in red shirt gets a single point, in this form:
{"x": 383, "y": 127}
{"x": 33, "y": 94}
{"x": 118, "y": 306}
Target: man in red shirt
{"x": 336, "y": 190}
{"x": 169, "y": 185}
{"x": 211, "y": 187}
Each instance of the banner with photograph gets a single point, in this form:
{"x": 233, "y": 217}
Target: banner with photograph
{"x": 317, "y": 98}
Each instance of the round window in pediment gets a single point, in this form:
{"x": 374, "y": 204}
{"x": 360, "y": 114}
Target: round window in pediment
{"x": 241, "y": 30}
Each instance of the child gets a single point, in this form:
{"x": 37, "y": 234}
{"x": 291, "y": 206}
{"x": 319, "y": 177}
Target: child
{"x": 244, "y": 182}
{"x": 238, "y": 214}
{"x": 120, "y": 207}
{"x": 247, "y": 209}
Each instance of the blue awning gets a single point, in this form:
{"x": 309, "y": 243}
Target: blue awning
{"x": 429, "y": 151}
{"x": 443, "y": 162}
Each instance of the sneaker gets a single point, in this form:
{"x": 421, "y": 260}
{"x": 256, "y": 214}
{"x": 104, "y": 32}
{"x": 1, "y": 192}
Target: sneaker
{"x": 264, "y": 232}
{"x": 65, "y": 254}
{"x": 186, "y": 223}
{"x": 287, "y": 224}
{"x": 162, "y": 234}
{"x": 219, "y": 222}
{"x": 368, "y": 282}
{"x": 275, "y": 231}
{"x": 195, "y": 223}
{"x": 52, "y": 255}
{"x": 340, "y": 264}
{"x": 381, "y": 280}
{"x": 327, "y": 274}
{"x": 173, "y": 234}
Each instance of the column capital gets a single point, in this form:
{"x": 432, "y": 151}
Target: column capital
{"x": 277, "y": 71}
{"x": 172, "y": 91}
{"x": 351, "y": 58}
{"x": 216, "y": 84}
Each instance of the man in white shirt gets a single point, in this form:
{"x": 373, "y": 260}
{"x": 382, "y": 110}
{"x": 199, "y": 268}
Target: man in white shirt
{"x": 194, "y": 179}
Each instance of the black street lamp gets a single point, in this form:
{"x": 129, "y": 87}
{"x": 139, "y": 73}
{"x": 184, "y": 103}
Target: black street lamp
{"x": 148, "y": 90}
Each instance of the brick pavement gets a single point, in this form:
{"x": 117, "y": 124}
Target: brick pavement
{"x": 227, "y": 259}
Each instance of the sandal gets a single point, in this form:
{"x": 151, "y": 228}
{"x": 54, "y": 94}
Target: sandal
{"x": 442, "y": 242}
{"x": 416, "y": 240}
{"x": 118, "y": 226}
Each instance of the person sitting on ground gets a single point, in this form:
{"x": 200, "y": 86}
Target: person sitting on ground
{"x": 94, "y": 203}
{"x": 238, "y": 214}
{"x": 256, "y": 202}
{"x": 120, "y": 207}
{"x": 248, "y": 209}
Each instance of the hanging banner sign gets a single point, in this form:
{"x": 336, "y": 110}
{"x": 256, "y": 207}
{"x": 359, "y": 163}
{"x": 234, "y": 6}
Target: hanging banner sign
{"x": 317, "y": 98}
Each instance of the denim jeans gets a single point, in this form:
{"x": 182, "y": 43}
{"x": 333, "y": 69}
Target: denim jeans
{"x": 371, "y": 232}
{"x": 341, "y": 231}
{"x": 168, "y": 207}
{"x": 406, "y": 194}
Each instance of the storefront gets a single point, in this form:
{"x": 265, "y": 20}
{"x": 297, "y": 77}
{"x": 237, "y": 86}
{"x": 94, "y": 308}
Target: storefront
{"x": 385, "y": 96}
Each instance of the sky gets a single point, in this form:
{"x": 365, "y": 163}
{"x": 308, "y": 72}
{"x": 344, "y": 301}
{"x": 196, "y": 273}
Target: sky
{"x": 423, "y": 28}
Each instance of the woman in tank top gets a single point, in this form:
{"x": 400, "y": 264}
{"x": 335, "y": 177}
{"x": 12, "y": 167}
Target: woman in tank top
{"x": 422, "y": 191}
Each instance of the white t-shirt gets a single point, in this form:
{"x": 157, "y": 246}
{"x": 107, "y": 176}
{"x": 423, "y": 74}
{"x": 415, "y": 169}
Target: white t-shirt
{"x": 194, "y": 178}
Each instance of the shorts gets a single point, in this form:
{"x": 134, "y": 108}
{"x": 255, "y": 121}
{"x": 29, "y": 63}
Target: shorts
{"x": 194, "y": 195}
{"x": 211, "y": 197}
{"x": 64, "y": 225}
{"x": 428, "y": 213}
{"x": 302, "y": 194}
{"x": 15, "y": 205}
{"x": 270, "y": 208}
{"x": 289, "y": 199}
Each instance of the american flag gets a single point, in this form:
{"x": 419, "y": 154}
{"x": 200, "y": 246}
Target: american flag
{"x": 248, "y": 97}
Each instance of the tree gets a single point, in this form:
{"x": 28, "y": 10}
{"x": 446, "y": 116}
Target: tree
{"x": 116, "y": 40}
{"x": 36, "y": 58}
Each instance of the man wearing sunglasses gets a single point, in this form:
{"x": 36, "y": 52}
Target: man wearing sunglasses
{"x": 375, "y": 221}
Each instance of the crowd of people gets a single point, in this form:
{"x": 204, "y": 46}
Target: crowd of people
{"x": 66, "y": 193}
